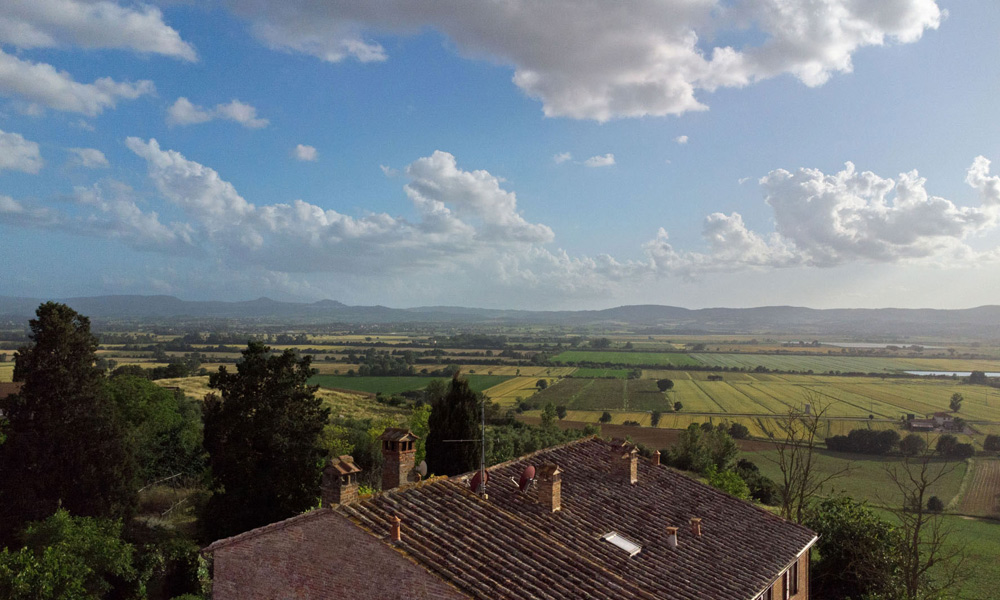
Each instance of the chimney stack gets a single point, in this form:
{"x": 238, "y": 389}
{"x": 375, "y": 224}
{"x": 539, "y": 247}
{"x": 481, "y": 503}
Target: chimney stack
{"x": 398, "y": 457}
{"x": 625, "y": 461}
{"x": 395, "y": 528}
{"x": 672, "y": 537}
{"x": 340, "y": 481}
{"x": 550, "y": 486}
{"x": 696, "y": 526}
{"x": 656, "y": 458}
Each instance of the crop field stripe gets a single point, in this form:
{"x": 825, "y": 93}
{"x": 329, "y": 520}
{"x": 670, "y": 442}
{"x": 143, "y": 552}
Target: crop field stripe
{"x": 982, "y": 496}
{"x": 742, "y": 389}
{"x": 709, "y": 396}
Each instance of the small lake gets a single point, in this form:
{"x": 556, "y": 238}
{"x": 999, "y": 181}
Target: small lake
{"x": 947, "y": 373}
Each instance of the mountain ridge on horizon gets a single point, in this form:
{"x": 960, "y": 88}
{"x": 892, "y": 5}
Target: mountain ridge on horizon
{"x": 981, "y": 322}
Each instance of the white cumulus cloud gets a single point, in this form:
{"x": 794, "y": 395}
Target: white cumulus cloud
{"x": 42, "y": 84}
{"x": 183, "y": 112}
{"x": 90, "y": 158}
{"x": 590, "y": 59}
{"x": 681, "y": 139}
{"x": 562, "y": 157}
{"x": 89, "y": 24}
{"x": 306, "y": 153}
{"x": 19, "y": 154}
{"x": 604, "y": 160}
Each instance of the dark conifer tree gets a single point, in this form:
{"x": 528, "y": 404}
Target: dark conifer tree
{"x": 65, "y": 444}
{"x": 454, "y": 417}
{"x": 262, "y": 434}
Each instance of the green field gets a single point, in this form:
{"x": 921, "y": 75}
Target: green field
{"x": 616, "y": 373}
{"x": 396, "y": 385}
{"x": 772, "y": 394}
{"x": 837, "y": 363}
{"x": 627, "y": 358}
{"x": 6, "y": 371}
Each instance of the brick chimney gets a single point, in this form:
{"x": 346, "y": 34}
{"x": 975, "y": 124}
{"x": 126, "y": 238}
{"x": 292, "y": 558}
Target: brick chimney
{"x": 625, "y": 461}
{"x": 550, "y": 486}
{"x": 340, "y": 481}
{"x": 398, "y": 457}
{"x": 395, "y": 530}
{"x": 655, "y": 458}
{"x": 672, "y": 537}
{"x": 696, "y": 526}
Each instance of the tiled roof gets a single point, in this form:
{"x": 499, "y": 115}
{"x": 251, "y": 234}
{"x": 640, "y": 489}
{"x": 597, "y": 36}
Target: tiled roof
{"x": 397, "y": 434}
{"x": 344, "y": 465}
{"x": 510, "y": 546}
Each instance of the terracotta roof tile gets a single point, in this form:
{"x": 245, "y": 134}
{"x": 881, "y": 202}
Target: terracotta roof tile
{"x": 398, "y": 434}
{"x": 511, "y": 546}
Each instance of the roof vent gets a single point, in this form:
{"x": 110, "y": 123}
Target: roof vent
{"x": 395, "y": 530}
{"x": 696, "y": 526}
{"x": 672, "y": 537}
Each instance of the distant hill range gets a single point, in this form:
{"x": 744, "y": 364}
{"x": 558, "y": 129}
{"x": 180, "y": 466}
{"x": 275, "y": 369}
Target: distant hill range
{"x": 980, "y": 323}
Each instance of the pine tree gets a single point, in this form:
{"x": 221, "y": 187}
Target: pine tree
{"x": 65, "y": 443}
{"x": 263, "y": 437}
{"x": 454, "y": 417}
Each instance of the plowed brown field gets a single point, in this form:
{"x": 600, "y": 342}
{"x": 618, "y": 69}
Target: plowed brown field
{"x": 983, "y": 494}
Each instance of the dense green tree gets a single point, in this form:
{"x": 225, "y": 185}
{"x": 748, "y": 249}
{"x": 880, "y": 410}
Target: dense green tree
{"x": 678, "y": 406}
{"x": 654, "y": 417}
{"x": 739, "y": 431}
{"x": 992, "y": 443}
{"x": 600, "y": 343}
{"x": 956, "y": 402}
{"x": 561, "y": 411}
{"x": 934, "y": 504}
{"x": 70, "y": 558}
{"x": 165, "y": 426}
{"x": 664, "y": 384}
{"x": 913, "y": 445}
{"x": 263, "y": 437}
{"x": 857, "y": 551}
{"x": 727, "y": 481}
{"x": 605, "y": 417}
{"x": 66, "y": 445}
{"x": 946, "y": 444}
{"x": 762, "y": 488}
{"x": 454, "y": 417}
{"x": 549, "y": 416}
{"x": 541, "y": 384}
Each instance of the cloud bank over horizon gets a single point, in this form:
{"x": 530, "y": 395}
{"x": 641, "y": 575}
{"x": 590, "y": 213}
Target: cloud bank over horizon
{"x": 467, "y": 222}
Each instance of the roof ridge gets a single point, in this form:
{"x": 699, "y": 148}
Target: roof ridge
{"x": 265, "y": 529}
{"x": 507, "y": 463}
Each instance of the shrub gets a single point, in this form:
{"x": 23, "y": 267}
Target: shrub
{"x": 935, "y": 504}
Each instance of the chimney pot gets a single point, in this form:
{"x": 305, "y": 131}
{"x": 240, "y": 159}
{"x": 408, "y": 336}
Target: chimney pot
{"x": 656, "y": 458}
{"x": 672, "y": 537}
{"x": 396, "y": 529}
{"x": 696, "y": 526}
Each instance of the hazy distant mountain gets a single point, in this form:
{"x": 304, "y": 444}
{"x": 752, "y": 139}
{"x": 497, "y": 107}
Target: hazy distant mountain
{"x": 982, "y": 322}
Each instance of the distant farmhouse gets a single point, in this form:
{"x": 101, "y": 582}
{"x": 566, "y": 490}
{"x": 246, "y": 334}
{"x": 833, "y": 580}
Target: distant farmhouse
{"x": 595, "y": 521}
{"x": 939, "y": 421}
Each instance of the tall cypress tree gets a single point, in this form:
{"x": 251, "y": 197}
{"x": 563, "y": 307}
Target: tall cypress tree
{"x": 262, "y": 434}
{"x": 65, "y": 443}
{"x": 455, "y": 416}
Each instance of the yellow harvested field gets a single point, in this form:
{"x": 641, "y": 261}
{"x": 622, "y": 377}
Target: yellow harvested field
{"x": 6, "y": 371}
{"x": 506, "y": 393}
{"x": 342, "y": 404}
{"x": 513, "y": 371}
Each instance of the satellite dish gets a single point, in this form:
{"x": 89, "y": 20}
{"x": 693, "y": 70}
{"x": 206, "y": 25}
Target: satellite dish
{"x": 422, "y": 468}
{"x": 477, "y": 479}
{"x": 527, "y": 477}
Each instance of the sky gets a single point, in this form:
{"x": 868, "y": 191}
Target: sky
{"x": 569, "y": 154}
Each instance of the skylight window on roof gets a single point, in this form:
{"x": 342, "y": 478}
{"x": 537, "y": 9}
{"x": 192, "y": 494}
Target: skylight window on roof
{"x": 622, "y": 542}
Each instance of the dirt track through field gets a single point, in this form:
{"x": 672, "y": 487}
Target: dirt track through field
{"x": 983, "y": 494}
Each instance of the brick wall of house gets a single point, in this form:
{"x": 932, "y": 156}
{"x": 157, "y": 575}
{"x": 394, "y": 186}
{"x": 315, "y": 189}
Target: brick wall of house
{"x": 320, "y": 556}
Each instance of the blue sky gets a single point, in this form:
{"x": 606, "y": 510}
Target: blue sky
{"x": 568, "y": 154}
